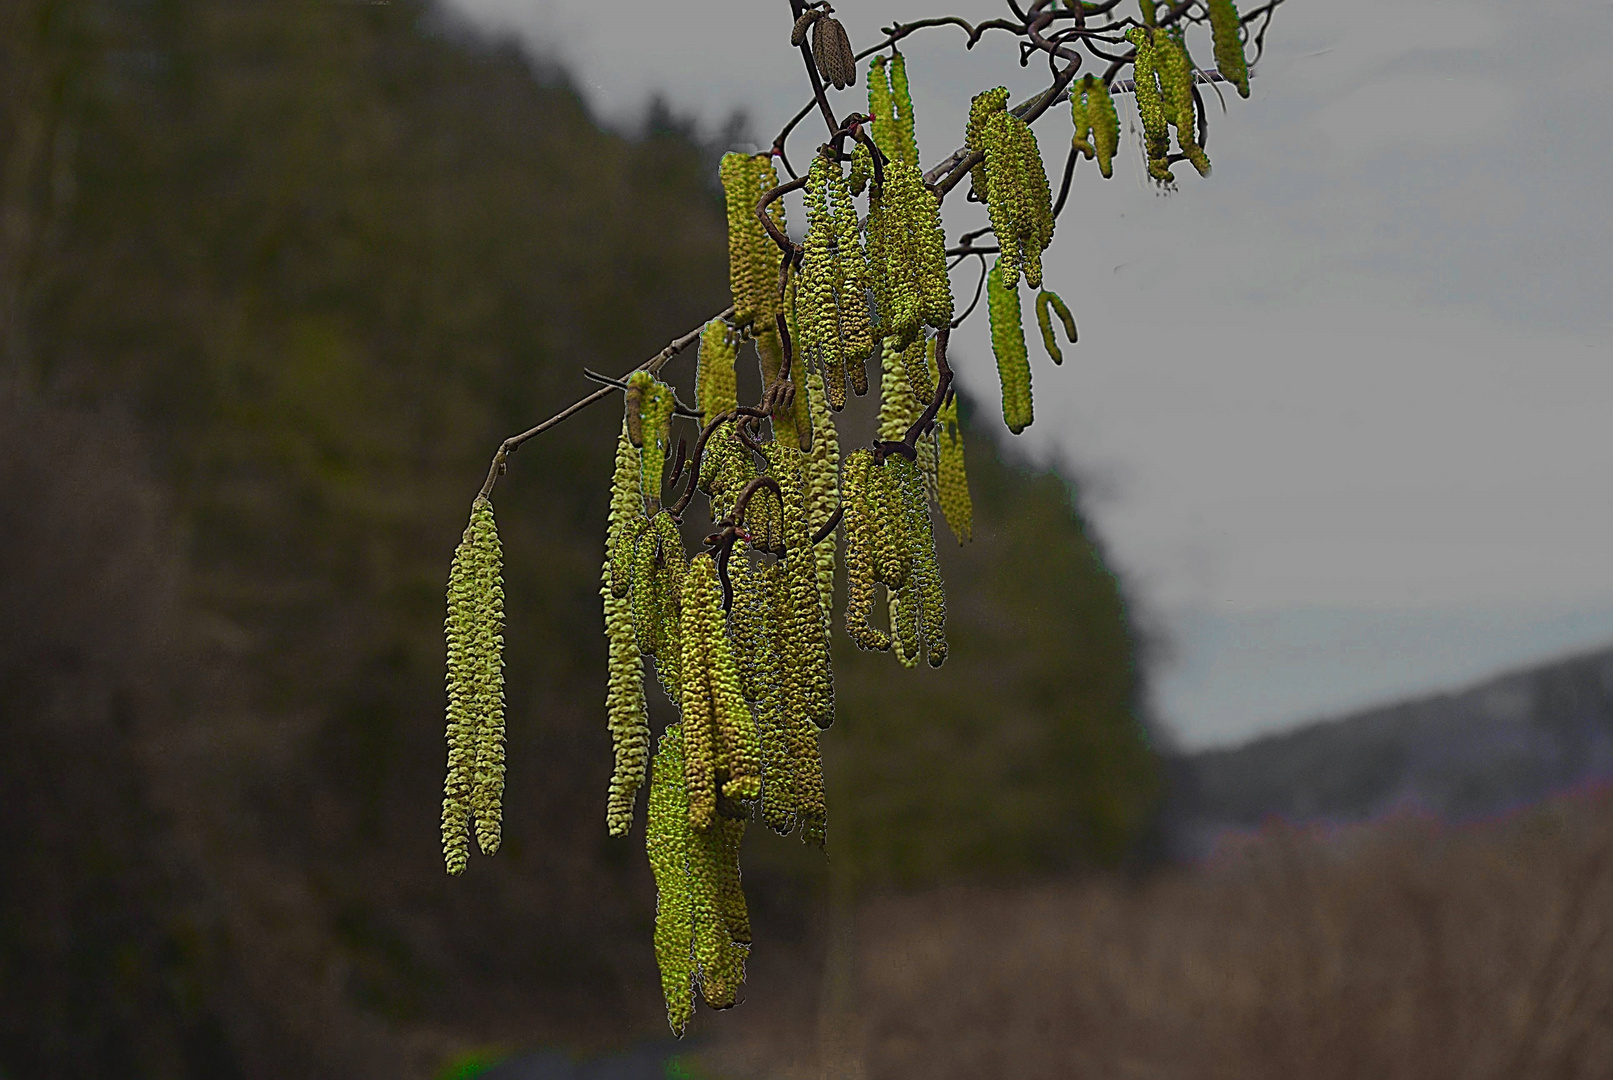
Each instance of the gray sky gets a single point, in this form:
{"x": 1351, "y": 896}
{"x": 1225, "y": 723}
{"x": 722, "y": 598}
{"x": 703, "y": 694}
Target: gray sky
{"x": 1342, "y": 408}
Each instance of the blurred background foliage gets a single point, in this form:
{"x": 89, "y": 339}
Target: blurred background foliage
{"x": 274, "y": 281}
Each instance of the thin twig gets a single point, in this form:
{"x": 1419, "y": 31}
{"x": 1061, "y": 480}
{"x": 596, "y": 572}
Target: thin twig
{"x": 653, "y": 364}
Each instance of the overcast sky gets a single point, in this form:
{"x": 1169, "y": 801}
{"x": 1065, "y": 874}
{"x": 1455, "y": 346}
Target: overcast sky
{"x": 1341, "y": 410}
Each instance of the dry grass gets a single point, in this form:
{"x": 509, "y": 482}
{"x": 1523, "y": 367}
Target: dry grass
{"x": 1400, "y": 950}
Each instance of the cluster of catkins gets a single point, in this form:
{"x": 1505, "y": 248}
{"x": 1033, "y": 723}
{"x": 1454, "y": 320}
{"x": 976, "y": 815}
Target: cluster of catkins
{"x": 738, "y": 635}
{"x": 1163, "y": 73}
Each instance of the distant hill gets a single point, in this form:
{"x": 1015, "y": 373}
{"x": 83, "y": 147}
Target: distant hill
{"x": 1472, "y": 753}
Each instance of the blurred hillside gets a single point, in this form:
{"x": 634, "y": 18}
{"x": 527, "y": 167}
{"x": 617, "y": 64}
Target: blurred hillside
{"x": 1504, "y": 744}
{"x": 274, "y": 281}
{"x": 1401, "y": 950}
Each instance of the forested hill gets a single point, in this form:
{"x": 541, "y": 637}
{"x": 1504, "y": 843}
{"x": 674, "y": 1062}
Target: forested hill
{"x": 274, "y": 281}
{"x": 1484, "y": 750}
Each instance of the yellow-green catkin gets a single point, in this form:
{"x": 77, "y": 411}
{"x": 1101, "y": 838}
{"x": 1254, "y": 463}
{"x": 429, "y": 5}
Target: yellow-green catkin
{"x": 1045, "y": 300}
{"x": 1151, "y": 104}
{"x": 907, "y": 255}
{"x": 1008, "y": 343}
{"x": 808, "y": 681}
{"x": 835, "y": 335}
{"x": 1176, "y": 86}
{"x": 925, "y": 577}
{"x": 654, "y": 425}
{"x": 666, "y": 841}
{"x": 918, "y": 609}
{"x": 717, "y": 903}
{"x": 904, "y": 143}
{"x": 953, "y": 478}
{"x": 898, "y": 405}
{"x": 1097, "y": 124}
{"x": 671, "y": 566}
{"x": 473, "y": 791}
{"x": 861, "y": 530}
{"x": 862, "y": 169}
{"x": 892, "y": 558}
{"x": 882, "y": 129}
{"x": 823, "y": 491}
{"x": 1013, "y": 183}
{"x": 1226, "y": 30}
{"x": 716, "y": 388}
{"x": 792, "y": 794}
{"x": 753, "y": 258}
{"x": 725, "y": 469}
{"x": 626, "y": 514}
{"x": 1081, "y": 140}
{"x": 626, "y": 716}
{"x": 719, "y": 732}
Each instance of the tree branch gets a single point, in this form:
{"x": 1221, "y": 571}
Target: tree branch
{"x": 653, "y": 364}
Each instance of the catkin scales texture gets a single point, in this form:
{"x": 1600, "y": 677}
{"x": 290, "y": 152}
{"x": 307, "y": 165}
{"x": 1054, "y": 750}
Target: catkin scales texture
{"x": 1008, "y": 343}
{"x": 473, "y": 791}
{"x": 753, "y": 258}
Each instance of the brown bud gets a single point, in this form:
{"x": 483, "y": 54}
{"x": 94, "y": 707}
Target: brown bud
{"x": 832, "y": 48}
{"x": 803, "y": 24}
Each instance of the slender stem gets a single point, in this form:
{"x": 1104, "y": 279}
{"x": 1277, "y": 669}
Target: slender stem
{"x": 797, "y": 8}
{"x": 767, "y": 223}
{"x": 653, "y": 364}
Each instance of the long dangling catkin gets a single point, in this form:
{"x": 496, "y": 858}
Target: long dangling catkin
{"x": 719, "y": 732}
{"x": 720, "y": 960}
{"x": 1151, "y": 104}
{"x": 1176, "y": 85}
{"x": 626, "y": 716}
{"x": 892, "y": 555}
{"x": 1226, "y": 31}
{"x": 1100, "y": 109}
{"x": 924, "y": 580}
{"x": 672, "y": 563}
{"x": 666, "y": 841}
{"x": 907, "y": 255}
{"x": 1048, "y": 299}
{"x": 860, "y": 542}
{"x": 907, "y": 602}
{"x": 1081, "y": 138}
{"x": 792, "y": 796}
{"x": 882, "y": 128}
{"x": 898, "y": 405}
{"x": 1008, "y": 343}
{"x": 753, "y": 258}
{"x": 904, "y": 143}
{"x": 474, "y": 628}
{"x": 656, "y": 404}
{"x": 715, "y": 382}
{"x": 626, "y": 514}
{"x": 830, "y": 297}
{"x": 808, "y": 681}
{"x": 765, "y": 589}
{"x": 823, "y": 491}
{"x": 953, "y": 479}
{"x": 1013, "y": 183}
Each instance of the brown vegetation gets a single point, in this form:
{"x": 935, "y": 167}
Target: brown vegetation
{"x": 1403, "y": 949}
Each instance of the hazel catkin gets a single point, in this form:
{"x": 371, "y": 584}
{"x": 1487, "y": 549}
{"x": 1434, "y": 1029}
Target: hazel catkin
{"x": 1045, "y": 300}
{"x": 1151, "y": 104}
{"x": 1008, "y": 343}
{"x": 716, "y": 388}
{"x": 861, "y": 529}
{"x": 473, "y": 790}
{"x": 1226, "y": 31}
{"x": 666, "y": 839}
